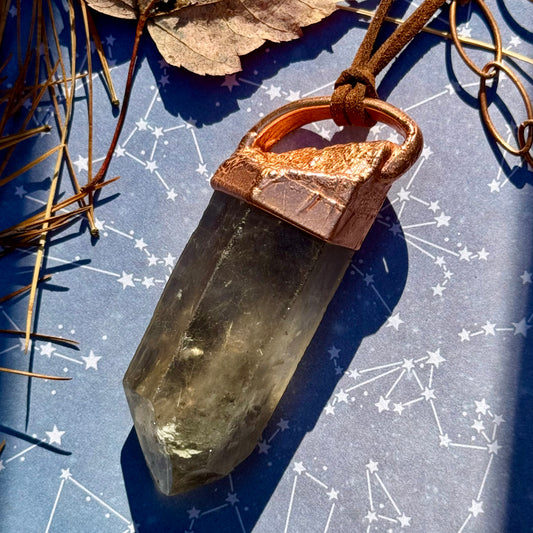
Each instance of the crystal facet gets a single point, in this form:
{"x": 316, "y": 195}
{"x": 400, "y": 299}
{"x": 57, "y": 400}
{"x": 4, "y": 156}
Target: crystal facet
{"x": 234, "y": 320}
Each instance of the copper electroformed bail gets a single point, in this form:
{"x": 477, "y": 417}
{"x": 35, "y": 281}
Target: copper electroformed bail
{"x": 335, "y": 192}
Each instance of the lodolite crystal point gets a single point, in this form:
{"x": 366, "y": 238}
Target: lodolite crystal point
{"x": 234, "y": 320}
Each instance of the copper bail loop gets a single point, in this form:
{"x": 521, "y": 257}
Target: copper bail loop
{"x": 290, "y": 117}
{"x": 333, "y": 193}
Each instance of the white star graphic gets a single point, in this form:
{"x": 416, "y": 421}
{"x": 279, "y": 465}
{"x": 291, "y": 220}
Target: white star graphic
{"x": 440, "y": 261}
{"x": 193, "y": 513}
{"x": 283, "y": 424}
{"x": 526, "y": 277}
{"x": 428, "y": 394}
{"x": 368, "y": 279}
{"x": 65, "y": 473}
{"x": 158, "y": 132}
{"x": 488, "y": 328}
{"x": 521, "y": 327}
{"x": 465, "y": 32}
{"x": 482, "y": 254}
{"x": 54, "y": 436}
{"x": 141, "y": 124}
{"x": 333, "y": 352}
{"x": 478, "y": 426}
{"x": 372, "y": 466}
{"x": 382, "y": 404}
{"x": 126, "y": 280}
{"x": 394, "y": 321}
{"x": 435, "y": 358}
{"x": 426, "y": 152}
{"x": 354, "y": 373}
{"x": 151, "y": 166}
{"x": 476, "y": 508}
{"x": 442, "y": 220}
{"x": 498, "y": 419}
{"x": 20, "y": 191}
{"x": 341, "y": 396}
{"x": 82, "y": 163}
{"x": 395, "y": 229}
{"x": 329, "y": 409}
{"x": 465, "y": 335}
{"x": 494, "y": 186}
{"x": 152, "y": 260}
{"x": 169, "y": 260}
{"x": 148, "y": 282}
{"x": 139, "y": 243}
{"x": 482, "y": 406}
{"x": 515, "y": 41}
{"x": 448, "y": 274}
{"x": 493, "y": 447}
{"x": 263, "y": 446}
{"x": 444, "y": 440}
{"x": 434, "y": 206}
{"x": 464, "y": 254}
{"x": 274, "y": 92}
{"x": 438, "y": 289}
{"x": 232, "y": 498}
{"x": 403, "y": 195}
{"x": 47, "y": 349}
{"x": 120, "y": 151}
{"x": 299, "y": 468}
{"x": 230, "y": 81}
{"x": 171, "y": 195}
{"x": 293, "y": 96}
{"x": 398, "y": 408}
{"x": 202, "y": 169}
{"x": 405, "y": 521}
{"x": 333, "y": 494}
{"x": 91, "y": 361}
{"x": 371, "y": 516}
{"x": 408, "y": 364}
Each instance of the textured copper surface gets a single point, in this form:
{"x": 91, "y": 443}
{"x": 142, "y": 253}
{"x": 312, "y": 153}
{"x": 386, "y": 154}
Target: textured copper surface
{"x": 333, "y": 193}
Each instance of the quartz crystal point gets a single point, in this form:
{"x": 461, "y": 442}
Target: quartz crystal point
{"x": 234, "y": 320}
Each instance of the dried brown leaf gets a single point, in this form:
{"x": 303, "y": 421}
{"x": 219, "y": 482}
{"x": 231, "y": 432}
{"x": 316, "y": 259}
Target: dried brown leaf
{"x": 209, "y": 37}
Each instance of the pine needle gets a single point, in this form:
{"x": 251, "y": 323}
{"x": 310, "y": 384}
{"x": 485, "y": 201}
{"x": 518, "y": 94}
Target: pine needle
{"x": 33, "y": 375}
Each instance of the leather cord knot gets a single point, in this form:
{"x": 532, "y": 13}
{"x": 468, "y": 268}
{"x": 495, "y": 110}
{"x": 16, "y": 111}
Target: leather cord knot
{"x": 358, "y": 81}
{"x": 353, "y": 85}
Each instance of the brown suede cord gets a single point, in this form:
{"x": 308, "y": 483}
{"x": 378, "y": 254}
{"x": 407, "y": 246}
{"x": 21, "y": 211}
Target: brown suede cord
{"x": 358, "y": 81}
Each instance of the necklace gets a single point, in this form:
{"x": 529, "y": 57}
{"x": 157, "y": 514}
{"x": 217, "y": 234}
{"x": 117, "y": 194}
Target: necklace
{"x": 249, "y": 290}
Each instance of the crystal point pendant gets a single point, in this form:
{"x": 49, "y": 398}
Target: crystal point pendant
{"x": 236, "y": 315}
{"x": 248, "y": 293}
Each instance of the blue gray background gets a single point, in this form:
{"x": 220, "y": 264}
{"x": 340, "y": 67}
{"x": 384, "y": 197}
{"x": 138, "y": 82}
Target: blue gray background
{"x": 411, "y": 409}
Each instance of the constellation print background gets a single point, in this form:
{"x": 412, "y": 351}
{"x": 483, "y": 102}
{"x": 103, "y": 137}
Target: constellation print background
{"x": 409, "y": 411}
